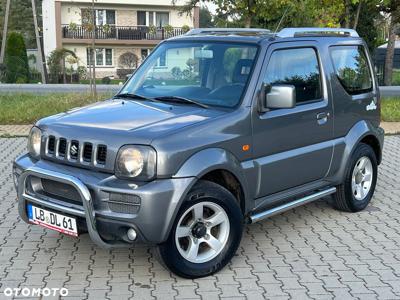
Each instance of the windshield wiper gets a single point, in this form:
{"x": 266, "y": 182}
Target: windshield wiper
{"x": 181, "y": 100}
{"x": 134, "y": 96}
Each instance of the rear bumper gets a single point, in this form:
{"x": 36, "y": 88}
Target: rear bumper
{"x": 159, "y": 201}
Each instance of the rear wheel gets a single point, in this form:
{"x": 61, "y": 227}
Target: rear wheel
{"x": 206, "y": 232}
{"x": 360, "y": 180}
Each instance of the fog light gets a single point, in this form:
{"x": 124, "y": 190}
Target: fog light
{"x": 131, "y": 234}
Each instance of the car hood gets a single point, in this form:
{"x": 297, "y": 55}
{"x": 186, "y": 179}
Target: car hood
{"x": 143, "y": 120}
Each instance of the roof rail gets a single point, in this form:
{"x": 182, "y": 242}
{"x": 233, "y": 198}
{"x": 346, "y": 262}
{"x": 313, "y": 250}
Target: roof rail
{"x": 253, "y": 31}
{"x": 313, "y": 31}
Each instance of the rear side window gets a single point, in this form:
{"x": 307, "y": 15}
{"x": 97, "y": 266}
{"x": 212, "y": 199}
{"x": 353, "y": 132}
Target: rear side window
{"x": 352, "y": 69}
{"x": 298, "y": 67}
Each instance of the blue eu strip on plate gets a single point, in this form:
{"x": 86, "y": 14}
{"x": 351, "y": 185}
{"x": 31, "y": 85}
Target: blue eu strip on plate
{"x": 30, "y": 215}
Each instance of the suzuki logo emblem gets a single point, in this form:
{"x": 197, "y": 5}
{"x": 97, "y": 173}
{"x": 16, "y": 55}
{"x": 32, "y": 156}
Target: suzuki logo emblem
{"x": 74, "y": 150}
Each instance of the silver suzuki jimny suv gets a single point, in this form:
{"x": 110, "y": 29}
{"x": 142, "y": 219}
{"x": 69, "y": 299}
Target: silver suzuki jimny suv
{"x": 217, "y": 128}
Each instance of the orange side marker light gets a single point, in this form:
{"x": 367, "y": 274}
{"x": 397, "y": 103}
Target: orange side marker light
{"x": 246, "y": 147}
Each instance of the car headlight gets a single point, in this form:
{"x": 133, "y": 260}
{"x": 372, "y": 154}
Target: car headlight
{"x": 136, "y": 162}
{"x": 34, "y": 142}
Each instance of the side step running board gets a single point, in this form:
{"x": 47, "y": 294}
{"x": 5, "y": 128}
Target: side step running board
{"x": 280, "y": 209}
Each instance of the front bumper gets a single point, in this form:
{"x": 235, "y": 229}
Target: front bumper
{"x": 160, "y": 201}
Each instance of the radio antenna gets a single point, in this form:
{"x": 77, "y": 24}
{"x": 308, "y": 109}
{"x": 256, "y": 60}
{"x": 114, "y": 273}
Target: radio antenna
{"x": 280, "y": 21}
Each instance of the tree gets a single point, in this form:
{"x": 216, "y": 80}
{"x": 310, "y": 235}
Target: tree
{"x": 205, "y": 17}
{"x": 21, "y": 19}
{"x": 391, "y": 7}
{"x": 5, "y": 29}
{"x": 56, "y": 62}
{"x": 39, "y": 44}
{"x": 128, "y": 60}
{"x": 16, "y": 59}
{"x": 228, "y": 8}
{"x": 251, "y": 13}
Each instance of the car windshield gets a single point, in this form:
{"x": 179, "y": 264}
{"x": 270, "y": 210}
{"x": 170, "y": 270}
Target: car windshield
{"x": 209, "y": 73}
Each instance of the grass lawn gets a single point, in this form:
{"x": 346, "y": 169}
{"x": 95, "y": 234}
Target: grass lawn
{"x": 27, "y": 108}
{"x": 391, "y": 109}
{"x": 396, "y": 77}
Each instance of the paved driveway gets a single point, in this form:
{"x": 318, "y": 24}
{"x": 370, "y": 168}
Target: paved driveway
{"x": 311, "y": 252}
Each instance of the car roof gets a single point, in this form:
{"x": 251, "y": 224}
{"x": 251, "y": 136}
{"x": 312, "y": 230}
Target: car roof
{"x": 258, "y": 35}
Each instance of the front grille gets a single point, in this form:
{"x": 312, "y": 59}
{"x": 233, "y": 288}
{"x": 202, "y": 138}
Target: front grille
{"x": 52, "y": 144}
{"x": 87, "y": 152}
{"x": 60, "y": 191}
{"x": 77, "y": 151}
{"x": 101, "y": 154}
{"x": 62, "y": 147}
{"x": 124, "y": 203}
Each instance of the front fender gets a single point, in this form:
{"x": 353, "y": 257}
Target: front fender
{"x": 211, "y": 159}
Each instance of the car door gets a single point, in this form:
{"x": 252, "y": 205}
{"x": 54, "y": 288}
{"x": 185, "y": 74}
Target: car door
{"x": 292, "y": 147}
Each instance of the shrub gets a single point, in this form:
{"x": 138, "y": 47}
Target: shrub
{"x": 16, "y": 59}
{"x": 73, "y": 26}
{"x": 185, "y": 28}
{"x": 106, "y": 80}
{"x": 128, "y": 60}
{"x": 152, "y": 29}
{"x": 82, "y": 72}
{"x": 122, "y": 73}
{"x": 168, "y": 29}
{"x": 21, "y": 80}
{"x": 176, "y": 72}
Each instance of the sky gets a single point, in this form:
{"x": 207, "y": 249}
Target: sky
{"x": 211, "y": 7}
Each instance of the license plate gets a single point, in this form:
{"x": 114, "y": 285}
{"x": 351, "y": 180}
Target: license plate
{"x": 52, "y": 220}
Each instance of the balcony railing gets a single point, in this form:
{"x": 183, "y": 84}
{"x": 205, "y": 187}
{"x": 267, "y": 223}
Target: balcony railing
{"x": 110, "y": 32}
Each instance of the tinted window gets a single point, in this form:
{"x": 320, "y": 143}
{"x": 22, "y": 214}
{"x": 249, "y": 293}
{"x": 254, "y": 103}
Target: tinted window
{"x": 297, "y": 67}
{"x": 352, "y": 69}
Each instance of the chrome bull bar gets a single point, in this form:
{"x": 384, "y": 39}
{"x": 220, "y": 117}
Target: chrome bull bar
{"x": 88, "y": 213}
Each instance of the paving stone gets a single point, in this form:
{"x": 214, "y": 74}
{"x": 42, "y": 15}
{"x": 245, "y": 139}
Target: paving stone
{"x": 312, "y": 252}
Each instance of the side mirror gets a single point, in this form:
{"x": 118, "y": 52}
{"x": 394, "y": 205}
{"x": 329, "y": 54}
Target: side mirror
{"x": 278, "y": 96}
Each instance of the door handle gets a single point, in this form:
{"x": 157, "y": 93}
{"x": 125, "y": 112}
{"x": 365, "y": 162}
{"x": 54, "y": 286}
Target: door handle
{"x": 322, "y": 117}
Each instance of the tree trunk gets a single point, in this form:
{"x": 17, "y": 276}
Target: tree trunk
{"x": 94, "y": 51}
{"x": 390, "y": 53}
{"x": 357, "y": 17}
{"x": 347, "y": 16}
{"x": 64, "y": 71}
{"x": 247, "y": 23}
{"x": 5, "y": 29}
{"x": 38, "y": 44}
{"x": 249, "y": 17}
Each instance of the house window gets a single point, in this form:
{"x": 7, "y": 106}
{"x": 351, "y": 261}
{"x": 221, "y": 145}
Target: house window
{"x": 144, "y": 53}
{"x": 103, "y": 16}
{"x": 153, "y": 18}
{"x": 104, "y": 57}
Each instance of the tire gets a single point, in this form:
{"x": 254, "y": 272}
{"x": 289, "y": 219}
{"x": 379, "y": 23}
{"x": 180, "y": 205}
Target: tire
{"x": 206, "y": 199}
{"x": 349, "y": 197}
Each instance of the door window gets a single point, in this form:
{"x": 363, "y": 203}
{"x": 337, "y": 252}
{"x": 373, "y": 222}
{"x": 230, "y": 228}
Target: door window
{"x": 352, "y": 69}
{"x": 298, "y": 67}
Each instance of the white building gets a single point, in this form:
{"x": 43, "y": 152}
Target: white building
{"x": 122, "y": 26}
